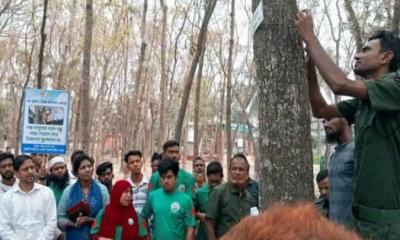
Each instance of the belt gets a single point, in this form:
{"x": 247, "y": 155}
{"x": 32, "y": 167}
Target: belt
{"x": 376, "y": 215}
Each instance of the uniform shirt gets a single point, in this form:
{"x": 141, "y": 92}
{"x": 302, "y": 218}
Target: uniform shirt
{"x": 184, "y": 183}
{"x": 341, "y": 185}
{"x": 5, "y": 188}
{"x": 227, "y": 207}
{"x": 201, "y": 205}
{"x": 377, "y": 143}
{"x": 28, "y": 216}
{"x": 173, "y": 214}
{"x": 139, "y": 193}
{"x": 118, "y": 229}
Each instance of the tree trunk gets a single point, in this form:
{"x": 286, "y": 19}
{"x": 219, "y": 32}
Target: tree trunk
{"x": 286, "y": 170}
{"x": 355, "y": 26}
{"x": 85, "y": 87}
{"x": 42, "y": 42}
{"x": 229, "y": 88}
{"x": 164, "y": 77}
{"x": 396, "y": 17}
{"x": 188, "y": 84}
{"x": 197, "y": 107}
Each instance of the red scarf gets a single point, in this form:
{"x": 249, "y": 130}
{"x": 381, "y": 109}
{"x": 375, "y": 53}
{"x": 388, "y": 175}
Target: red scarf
{"x": 116, "y": 214}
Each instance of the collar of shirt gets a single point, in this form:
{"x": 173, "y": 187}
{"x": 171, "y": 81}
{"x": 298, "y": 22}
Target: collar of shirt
{"x": 144, "y": 181}
{"x": 235, "y": 191}
{"x": 342, "y": 145}
{"x": 16, "y": 188}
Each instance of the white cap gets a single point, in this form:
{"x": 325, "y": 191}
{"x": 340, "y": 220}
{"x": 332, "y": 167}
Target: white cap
{"x": 56, "y": 160}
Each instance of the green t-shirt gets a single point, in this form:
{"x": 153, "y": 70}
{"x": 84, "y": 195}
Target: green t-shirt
{"x": 201, "y": 205}
{"x": 323, "y": 206}
{"x": 227, "y": 207}
{"x": 118, "y": 230}
{"x": 173, "y": 214}
{"x": 57, "y": 191}
{"x": 184, "y": 183}
{"x": 377, "y": 143}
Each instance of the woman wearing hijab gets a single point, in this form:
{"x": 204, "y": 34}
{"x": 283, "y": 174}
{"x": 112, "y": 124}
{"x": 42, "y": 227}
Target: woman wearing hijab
{"x": 81, "y": 201}
{"x": 118, "y": 220}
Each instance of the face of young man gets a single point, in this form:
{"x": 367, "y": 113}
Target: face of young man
{"x": 135, "y": 164}
{"x": 370, "y": 59}
{"x": 6, "y": 169}
{"x": 199, "y": 166}
{"x": 214, "y": 180}
{"x": 168, "y": 181}
{"x": 107, "y": 176}
{"x": 324, "y": 188}
{"x": 333, "y": 130}
{"x": 173, "y": 153}
{"x": 154, "y": 165}
{"x": 26, "y": 172}
{"x": 239, "y": 172}
{"x": 59, "y": 170}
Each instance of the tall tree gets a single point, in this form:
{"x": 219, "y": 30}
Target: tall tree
{"x": 355, "y": 25}
{"x": 84, "y": 97}
{"x": 196, "y": 147}
{"x": 189, "y": 80}
{"x": 229, "y": 86}
{"x": 164, "y": 77}
{"x": 284, "y": 118}
{"x": 396, "y": 17}
{"x": 42, "y": 43}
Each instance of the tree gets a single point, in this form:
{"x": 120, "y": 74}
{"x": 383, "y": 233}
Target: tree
{"x": 189, "y": 80}
{"x": 42, "y": 42}
{"x": 84, "y": 97}
{"x": 284, "y": 118}
{"x": 164, "y": 77}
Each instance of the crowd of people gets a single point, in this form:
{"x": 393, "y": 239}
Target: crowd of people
{"x": 71, "y": 204}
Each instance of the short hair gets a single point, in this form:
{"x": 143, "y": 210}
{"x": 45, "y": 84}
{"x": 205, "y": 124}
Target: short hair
{"x": 156, "y": 157}
{"x": 75, "y": 154}
{"x": 389, "y": 42}
{"x": 170, "y": 143}
{"x": 78, "y": 160}
{"x": 103, "y": 167}
{"x": 132, "y": 153}
{"x": 198, "y": 158}
{"x": 6, "y": 155}
{"x": 241, "y": 156}
{"x": 215, "y": 167}
{"x": 166, "y": 165}
{"x": 322, "y": 175}
{"x": 19, "y": 160}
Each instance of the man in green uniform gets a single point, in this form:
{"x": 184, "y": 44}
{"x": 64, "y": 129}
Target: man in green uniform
{"x": 185, "y": 181}
{"x": 229, "y": 202}
{"x": 173, "y": 210}
{"x": 375, "y": 111}
{"x": 215, "y": 176}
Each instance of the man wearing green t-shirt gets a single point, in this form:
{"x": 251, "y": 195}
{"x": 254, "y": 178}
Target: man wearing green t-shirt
{"x": 173, "y": 210}
{"x": 58, "y": 179}
{"x": 185, "y": 181}
{"x": 375, "y": 111}
{"x": 215, "y": 176}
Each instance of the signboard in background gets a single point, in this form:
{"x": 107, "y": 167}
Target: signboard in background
{"x": 45, "y": 121}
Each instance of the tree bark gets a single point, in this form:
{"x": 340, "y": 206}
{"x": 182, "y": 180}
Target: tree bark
{"x": 396, "y": 17}
{"x": 189, "y": 80}
{"x": 286, "y": 170}
{"x": 164, "y": 77}
{"x": 229, "y": 87}
{"x": 355, "y": 25}
{"x": 197, "y": 107}
{"x": 85, "y": 87}
{"x": 42, "y": 43}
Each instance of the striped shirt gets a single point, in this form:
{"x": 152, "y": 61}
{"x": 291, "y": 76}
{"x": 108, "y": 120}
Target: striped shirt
{"x": 139, "y": 193}
{"x": 341, "y": 184}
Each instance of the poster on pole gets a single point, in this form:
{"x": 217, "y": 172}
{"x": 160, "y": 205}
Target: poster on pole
{"x": 45, "y": 121}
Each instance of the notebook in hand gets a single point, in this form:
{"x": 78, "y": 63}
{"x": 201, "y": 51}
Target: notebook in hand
{"x": 82, "y": 208}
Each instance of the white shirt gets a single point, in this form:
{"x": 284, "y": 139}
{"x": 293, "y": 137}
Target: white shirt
{"x": 5, "y": 188}
{"x": 28, "y": 216}
{"x": 139, "y": 193}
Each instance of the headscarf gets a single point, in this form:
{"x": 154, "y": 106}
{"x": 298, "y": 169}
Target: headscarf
{"x": 116, "y": 214}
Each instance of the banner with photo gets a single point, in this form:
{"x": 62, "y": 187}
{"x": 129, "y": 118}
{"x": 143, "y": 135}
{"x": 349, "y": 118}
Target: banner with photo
{"x": 45, "y": 121}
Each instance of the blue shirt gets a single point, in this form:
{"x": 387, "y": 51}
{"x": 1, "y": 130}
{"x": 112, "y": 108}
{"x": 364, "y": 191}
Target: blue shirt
{"x": 341, "y": 184}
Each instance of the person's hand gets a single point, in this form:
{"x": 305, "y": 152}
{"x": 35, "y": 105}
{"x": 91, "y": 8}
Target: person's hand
{"x": 201, "y": 216}
{"x": 82, "y": 220}
{"x": 43, "y": 169}
{"x": 304, "y": 25}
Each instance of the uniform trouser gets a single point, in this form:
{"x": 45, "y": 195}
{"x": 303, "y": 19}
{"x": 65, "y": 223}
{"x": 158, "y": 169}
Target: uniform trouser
{"x": 378, "y": 231}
